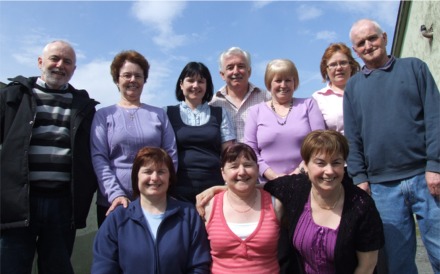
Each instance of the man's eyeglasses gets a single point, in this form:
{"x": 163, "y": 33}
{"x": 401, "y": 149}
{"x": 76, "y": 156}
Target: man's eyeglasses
{"x": 343, "y": 64}
{"x": 129, "y": 76}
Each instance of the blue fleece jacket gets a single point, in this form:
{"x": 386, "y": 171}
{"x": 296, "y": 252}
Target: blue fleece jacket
{"x": 392, "y": 122}
{"x": 124, "y": 243}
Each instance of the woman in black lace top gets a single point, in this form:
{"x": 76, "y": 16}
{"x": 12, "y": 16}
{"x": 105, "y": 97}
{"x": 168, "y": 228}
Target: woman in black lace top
{"x": 334, "y": 226}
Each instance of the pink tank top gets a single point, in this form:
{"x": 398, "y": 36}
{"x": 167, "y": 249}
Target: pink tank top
{"x": 256, "y": 254}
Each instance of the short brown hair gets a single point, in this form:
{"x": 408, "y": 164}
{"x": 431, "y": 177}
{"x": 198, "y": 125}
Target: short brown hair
{"x": 232, "y": 152}
{"x": 131, "y": 56}
{"x": 330, "y": 142}
{"x": 328, "y": 53}
{"x": 153, "y": 155}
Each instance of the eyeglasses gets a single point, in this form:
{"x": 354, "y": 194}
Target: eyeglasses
{"x": 343, "y": 64}
{"x": 129, "y": 76}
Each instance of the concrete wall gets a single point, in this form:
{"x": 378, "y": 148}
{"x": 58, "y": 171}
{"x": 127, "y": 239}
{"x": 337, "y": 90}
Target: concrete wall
{"x": 414, "y": 44}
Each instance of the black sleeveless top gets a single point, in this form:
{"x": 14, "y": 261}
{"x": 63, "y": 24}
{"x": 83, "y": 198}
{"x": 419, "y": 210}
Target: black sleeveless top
{"x": 199, "y": 149}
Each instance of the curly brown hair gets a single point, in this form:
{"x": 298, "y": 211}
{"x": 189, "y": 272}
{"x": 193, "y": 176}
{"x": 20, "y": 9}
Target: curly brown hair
{"x": 130, "y": 56}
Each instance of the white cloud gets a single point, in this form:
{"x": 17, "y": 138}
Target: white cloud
{"x": 169, "y": 40}
{"x": 328, "y": 36}
{"x": 308, "y": 12}
{"x": 260, "y": 4}
{"x": 96, "y": 79}
{"x": 30, "y": 47}
{"x": 160, "y": 15}
{"x": 157, "y": 89}
{"x": 384, "y": 12}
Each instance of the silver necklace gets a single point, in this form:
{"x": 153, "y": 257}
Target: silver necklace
{"x": 285, "y": 119}
{"x": 132, "y": 114}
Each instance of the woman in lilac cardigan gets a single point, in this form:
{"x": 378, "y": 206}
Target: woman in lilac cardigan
{"x": 276, "y": 129}
{"x": 120, "y": 130}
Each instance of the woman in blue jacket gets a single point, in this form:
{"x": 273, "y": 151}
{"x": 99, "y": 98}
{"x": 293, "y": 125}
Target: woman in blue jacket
{"x": 155, "y": 233}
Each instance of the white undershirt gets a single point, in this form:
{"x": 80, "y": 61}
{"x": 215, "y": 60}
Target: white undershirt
{"x": 243, "y": 230}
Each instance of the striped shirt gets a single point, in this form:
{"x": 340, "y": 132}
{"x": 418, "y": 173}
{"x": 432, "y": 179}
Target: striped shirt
{"x": 256, "y": 254}
{"x": 238, "y": 115}
{"x": 50, "y": 146}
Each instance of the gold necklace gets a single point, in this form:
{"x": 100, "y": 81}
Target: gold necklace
{"x": 242, "y": 211}
{"x": 287, "y": 115}
{"x": 335, "y": 203}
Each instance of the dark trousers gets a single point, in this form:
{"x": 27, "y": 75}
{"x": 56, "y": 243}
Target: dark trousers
{"x": 100, "y": 214}
{"x": 50, "y": 234}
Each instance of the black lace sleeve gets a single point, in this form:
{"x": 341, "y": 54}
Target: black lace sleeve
{"x": 287, "y": 188}
{"x": 292, "y": 191}
{"x": 370, "y": 230}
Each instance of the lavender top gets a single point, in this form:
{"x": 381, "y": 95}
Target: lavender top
{"x": 276, "y": 146}
{"x": 315, "y": 243}
{"x": 115, "y": 140}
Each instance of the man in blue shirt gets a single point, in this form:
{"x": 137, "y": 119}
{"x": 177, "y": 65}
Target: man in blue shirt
{"x": 392, "y": 123}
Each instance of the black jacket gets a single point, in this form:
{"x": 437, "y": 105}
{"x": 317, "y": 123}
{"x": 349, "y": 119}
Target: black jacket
{"x": 360, "y": 229}
{"x": 17, "y": 116}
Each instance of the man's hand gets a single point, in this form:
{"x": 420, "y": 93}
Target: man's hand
{"x": 204, "y": 197}
{"x": 433, "y": 182}
{"x": 121, "y": 200}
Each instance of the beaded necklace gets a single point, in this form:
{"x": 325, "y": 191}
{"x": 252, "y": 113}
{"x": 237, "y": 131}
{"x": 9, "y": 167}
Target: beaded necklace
{"x": 285, "y": 119}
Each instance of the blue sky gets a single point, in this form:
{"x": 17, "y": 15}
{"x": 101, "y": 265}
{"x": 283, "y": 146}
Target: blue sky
{"x": 170, "y": 34}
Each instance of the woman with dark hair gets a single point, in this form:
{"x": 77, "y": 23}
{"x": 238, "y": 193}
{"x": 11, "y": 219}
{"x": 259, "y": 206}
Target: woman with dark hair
{"x": 202, "y": 132}
{"x": 243, "y": 221}
{"x": 120, "y": 130}
{"x": 337, "y": 66}
{"x": 156, "y": 233}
